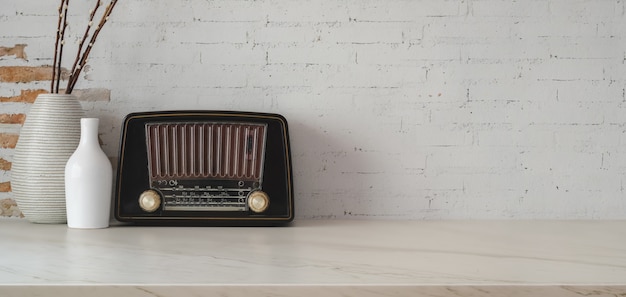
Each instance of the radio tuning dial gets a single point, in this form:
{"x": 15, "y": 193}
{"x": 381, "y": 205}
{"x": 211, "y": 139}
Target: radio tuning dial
{"x": 258, "y": 201}
{"x": 150, "y": 200}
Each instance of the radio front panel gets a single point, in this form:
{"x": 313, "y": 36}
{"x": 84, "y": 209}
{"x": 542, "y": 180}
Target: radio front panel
{"x": 204, "y": 167}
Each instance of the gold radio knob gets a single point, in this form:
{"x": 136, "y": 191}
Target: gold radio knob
{"x": 149, "y": 200}
{"x": 258, "y": 201}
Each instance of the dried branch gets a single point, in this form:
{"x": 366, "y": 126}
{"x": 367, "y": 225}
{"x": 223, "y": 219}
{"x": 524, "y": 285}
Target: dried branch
{"x": 85, "y": 54}
{"x": 82, "y": 41}
{"x": 56, "y": 46}
{"x": 65, "y": 8}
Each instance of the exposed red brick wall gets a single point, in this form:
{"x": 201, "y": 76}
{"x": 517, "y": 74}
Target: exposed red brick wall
{"x": 27, "y": 96}
{"x": 17, "y": 51}
{"x": 23, "y": 74}
{"x": 5, "y": 165}
{"x": 5, "y": 187}
{"x": 8, "y": 140}
{"x": 15, "y": 118}
{"x": 8, "y": 208}
{"x": 16, "y": 74}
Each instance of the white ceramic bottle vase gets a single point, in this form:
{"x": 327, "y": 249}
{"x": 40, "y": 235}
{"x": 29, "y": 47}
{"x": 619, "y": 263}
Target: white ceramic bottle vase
{"x": 88, "y": 181}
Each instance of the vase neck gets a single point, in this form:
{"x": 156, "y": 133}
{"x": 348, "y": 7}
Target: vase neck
{"x": 89, "y": 131}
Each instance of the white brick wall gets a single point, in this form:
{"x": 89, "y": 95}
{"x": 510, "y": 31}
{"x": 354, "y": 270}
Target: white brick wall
{"x": 419, "y": 109}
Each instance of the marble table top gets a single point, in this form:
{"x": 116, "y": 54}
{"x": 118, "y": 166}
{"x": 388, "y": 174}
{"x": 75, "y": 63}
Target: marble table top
{"x": 310, "y": 258}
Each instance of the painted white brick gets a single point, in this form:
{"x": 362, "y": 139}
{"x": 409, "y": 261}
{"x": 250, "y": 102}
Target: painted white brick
{"x": 471, "y": 160}
{"x": 290, "y": 75}
{"x": 187, "y": 10}
{"x": 415, "y": 35}
{"x": 612, "y": 163}
{"x": 557, "y": 29}
{"x": 515, "y": 182}
{"x": 145, "y": 11}
{"x": 323, "y": 54}
{"x": 48, "y": 8}
{"x": 615, "y": 71}
{"x": 30, "y": 27}
{"x": 467, "y": 29}
{"x": 513, "y": 51}
{"x": 366, "y": 32}
{"x": 129, "y": 35}
{"x": 615, "y": 118}
{"x": 522, "y": 90}
{"x": 519, "y": 138}
{"x": 230, "y": 54}
{"x": 566, "y": 70}
{"x": 367, "y": 76}
{"x": 553, "y": 113}
{"x": 208, "y": 32}
{"x": 405, "y": 54}
{"x": 588, "y": 139}
{"x": 445, "y": 136}
{"x": 440, "y": 95}
{"x": 590, "y": 181}
{"x": 504, "y": 8}
{"x": 166, "y": 54}
{"x": 319, "y": 11}
{"x": 406, "y": 10}
{"x": 470, "y": 73}
{"x": 598, "y": 49}
{"x": 336, "y": 76}
{"x": 585, "y": 9}
{"x": 228, "y": 10}
{"x": 273, "y": 34}
{"x": 559, "y": 163}
{"x": 474, "y": 112}
{"x": 185, "y": 75}
{"x": 590, "y": 91}
{"x": 612, "y": 28}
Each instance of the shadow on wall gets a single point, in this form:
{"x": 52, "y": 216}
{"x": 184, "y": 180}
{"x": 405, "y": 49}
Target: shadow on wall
{"x": 323, "y": 163}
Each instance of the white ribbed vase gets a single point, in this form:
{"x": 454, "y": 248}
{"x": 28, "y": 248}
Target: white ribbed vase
{"x": 48, "y": 138}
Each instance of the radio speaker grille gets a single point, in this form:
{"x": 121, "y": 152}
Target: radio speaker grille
{"x": 205, "y": 150}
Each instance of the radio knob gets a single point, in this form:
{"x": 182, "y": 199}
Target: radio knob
{"x": 150, "y": 200}
{"x": 258, "y": 201}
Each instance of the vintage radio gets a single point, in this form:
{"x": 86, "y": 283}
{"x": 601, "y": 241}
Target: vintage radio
{"x": 204, "y": 168}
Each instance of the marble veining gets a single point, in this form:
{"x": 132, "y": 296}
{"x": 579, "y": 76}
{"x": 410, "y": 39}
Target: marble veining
{"x": 333, "y": 258}
{"x": 308, "y": 290}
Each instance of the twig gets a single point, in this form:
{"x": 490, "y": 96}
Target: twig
{"x": 83, "y": 58}
{"x": 65, "y": 8}
{"x": 56, "y": 47}
{"x": 82, "y": 42}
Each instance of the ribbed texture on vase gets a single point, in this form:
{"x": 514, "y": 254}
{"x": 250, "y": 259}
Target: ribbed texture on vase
{"x": 50, "y": 135}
